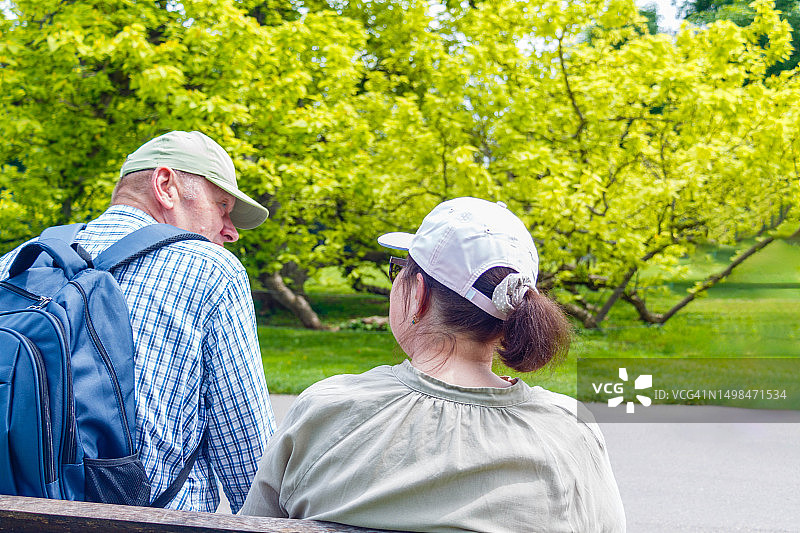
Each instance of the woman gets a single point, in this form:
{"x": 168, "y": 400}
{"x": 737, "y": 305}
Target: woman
{"x": 440, "y": 442}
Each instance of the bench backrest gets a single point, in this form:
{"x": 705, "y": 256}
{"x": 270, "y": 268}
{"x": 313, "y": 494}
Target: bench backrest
{"x": 21, "y": 514}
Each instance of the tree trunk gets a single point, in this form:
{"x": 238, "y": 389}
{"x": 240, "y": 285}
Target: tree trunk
{"x": 645, "y": 315}
{"x": 295, "y": 303}
{"x": 594, "y": 320}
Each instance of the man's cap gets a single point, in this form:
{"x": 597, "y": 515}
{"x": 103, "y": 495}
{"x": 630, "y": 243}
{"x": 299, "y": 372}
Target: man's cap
{"x": 196, "y": 153}
{"x": 464, "y": 237}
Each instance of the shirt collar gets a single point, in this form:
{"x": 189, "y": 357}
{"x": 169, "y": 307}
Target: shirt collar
{"x": 486, "y": 396}
{"x": 130, "y": 211}
{"x": 132, "y": 214}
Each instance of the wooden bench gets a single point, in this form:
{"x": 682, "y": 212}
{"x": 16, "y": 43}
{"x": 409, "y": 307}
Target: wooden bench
{"x": 22, "y": 515}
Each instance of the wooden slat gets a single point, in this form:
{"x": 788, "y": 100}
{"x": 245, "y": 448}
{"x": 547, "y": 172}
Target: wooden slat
{"x": 23, "y": 515}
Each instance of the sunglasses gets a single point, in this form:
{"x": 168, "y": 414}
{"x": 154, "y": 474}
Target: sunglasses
{"x": 396, "y": 264}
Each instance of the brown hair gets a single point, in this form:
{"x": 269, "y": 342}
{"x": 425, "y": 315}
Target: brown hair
{"x": 534, "y": 333}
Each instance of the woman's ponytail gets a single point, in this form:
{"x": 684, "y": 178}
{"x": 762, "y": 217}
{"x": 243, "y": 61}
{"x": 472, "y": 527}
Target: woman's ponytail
{"x": 534, "y": 333}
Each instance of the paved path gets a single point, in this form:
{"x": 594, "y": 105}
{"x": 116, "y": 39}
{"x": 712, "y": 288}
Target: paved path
{"x": 707, "y": 477}
{"x": 700, "y": 477}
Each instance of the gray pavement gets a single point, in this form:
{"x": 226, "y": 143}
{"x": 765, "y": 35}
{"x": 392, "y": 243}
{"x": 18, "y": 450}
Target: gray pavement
{"x": 699, "y": 477}
{"x": 708, "y": 477}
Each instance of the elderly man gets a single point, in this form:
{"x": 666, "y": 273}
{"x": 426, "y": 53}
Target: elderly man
{"x": 197, "y": 362}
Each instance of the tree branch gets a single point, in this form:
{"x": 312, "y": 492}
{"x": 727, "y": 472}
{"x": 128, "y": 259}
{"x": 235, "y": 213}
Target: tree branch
{"x": 641, "y": 307}
{"x": 577, "y": 312}
{"x": 571, "y": 95}
{"x": 656, "y": 318}
{"x": 712, "y": 280}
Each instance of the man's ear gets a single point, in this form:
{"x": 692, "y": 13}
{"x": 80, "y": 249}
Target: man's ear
{"x": 164, "y": 184}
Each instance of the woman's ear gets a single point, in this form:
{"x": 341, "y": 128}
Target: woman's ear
{"x": 419, "y": 295}
{"x": 164, "y": 184}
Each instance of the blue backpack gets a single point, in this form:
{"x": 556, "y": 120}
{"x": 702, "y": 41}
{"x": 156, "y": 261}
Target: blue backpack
{"x": 67, "y": 411}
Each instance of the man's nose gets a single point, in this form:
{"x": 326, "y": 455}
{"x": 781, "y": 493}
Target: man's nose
{"x": 229, "y": 232}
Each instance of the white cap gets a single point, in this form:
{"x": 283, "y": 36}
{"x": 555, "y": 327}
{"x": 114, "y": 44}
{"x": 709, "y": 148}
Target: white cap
{"x": 463, "y": 238}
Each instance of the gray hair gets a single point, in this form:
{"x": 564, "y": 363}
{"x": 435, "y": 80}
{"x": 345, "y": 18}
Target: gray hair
{"x": 192, "y": 184}
{"x": 139, "y": 183}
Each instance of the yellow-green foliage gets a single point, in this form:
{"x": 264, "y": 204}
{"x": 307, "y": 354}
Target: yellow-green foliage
{"x": 621, "y": 150}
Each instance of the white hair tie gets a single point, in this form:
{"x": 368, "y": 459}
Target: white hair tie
{"x": 510, "y": 292}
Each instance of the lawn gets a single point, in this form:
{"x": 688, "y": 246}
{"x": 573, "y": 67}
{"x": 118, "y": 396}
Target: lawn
{"x": 752, "y": 314}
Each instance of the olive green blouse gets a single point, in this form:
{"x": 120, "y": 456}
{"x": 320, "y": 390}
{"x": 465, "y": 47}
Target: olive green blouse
{"x": 394, "y": 448}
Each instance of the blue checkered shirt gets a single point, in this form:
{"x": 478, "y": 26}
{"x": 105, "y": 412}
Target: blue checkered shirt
{"x": 198, "y": 363}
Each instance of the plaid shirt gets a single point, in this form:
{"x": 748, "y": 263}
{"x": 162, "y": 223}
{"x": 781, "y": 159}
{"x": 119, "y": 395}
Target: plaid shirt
{"x": 198, "y": 362}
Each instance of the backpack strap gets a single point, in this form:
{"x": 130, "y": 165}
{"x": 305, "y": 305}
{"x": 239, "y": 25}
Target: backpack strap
{"x": 66, "y": 233}
{"x": 131, "y": 247}
{"x": 172, "y": 490}
{"x": 140, "y": 243}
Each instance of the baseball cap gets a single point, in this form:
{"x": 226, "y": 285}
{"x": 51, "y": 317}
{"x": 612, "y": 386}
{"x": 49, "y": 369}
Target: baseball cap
{"x": 196, "y": 153}
{"x": 462, "y": 238}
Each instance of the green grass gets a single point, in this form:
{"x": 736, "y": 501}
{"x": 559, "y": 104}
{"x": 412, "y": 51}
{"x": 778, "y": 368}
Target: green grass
{"x": 726, "y": 323}
{"x": 296, "y": 358}
{"x": 741, "y": 317}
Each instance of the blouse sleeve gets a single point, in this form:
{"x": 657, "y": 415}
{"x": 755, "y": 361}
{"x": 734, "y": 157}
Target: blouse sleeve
{"x": 280, "y": 465}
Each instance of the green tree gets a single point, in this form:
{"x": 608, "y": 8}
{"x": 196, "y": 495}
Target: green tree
{"x": 650, "y": 15}
{"x": 742, "y": 13}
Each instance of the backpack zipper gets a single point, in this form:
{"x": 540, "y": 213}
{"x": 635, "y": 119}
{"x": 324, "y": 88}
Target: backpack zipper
{"x": 20, "y": 292}
{"x": 109, "y": 366}
{"x": 44, "y": 407}
{"x": 41, "y": 304}
{"x": 41, "y": 301}
{"x": 68, "y": 445}
{"x": 44, "y": 391}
